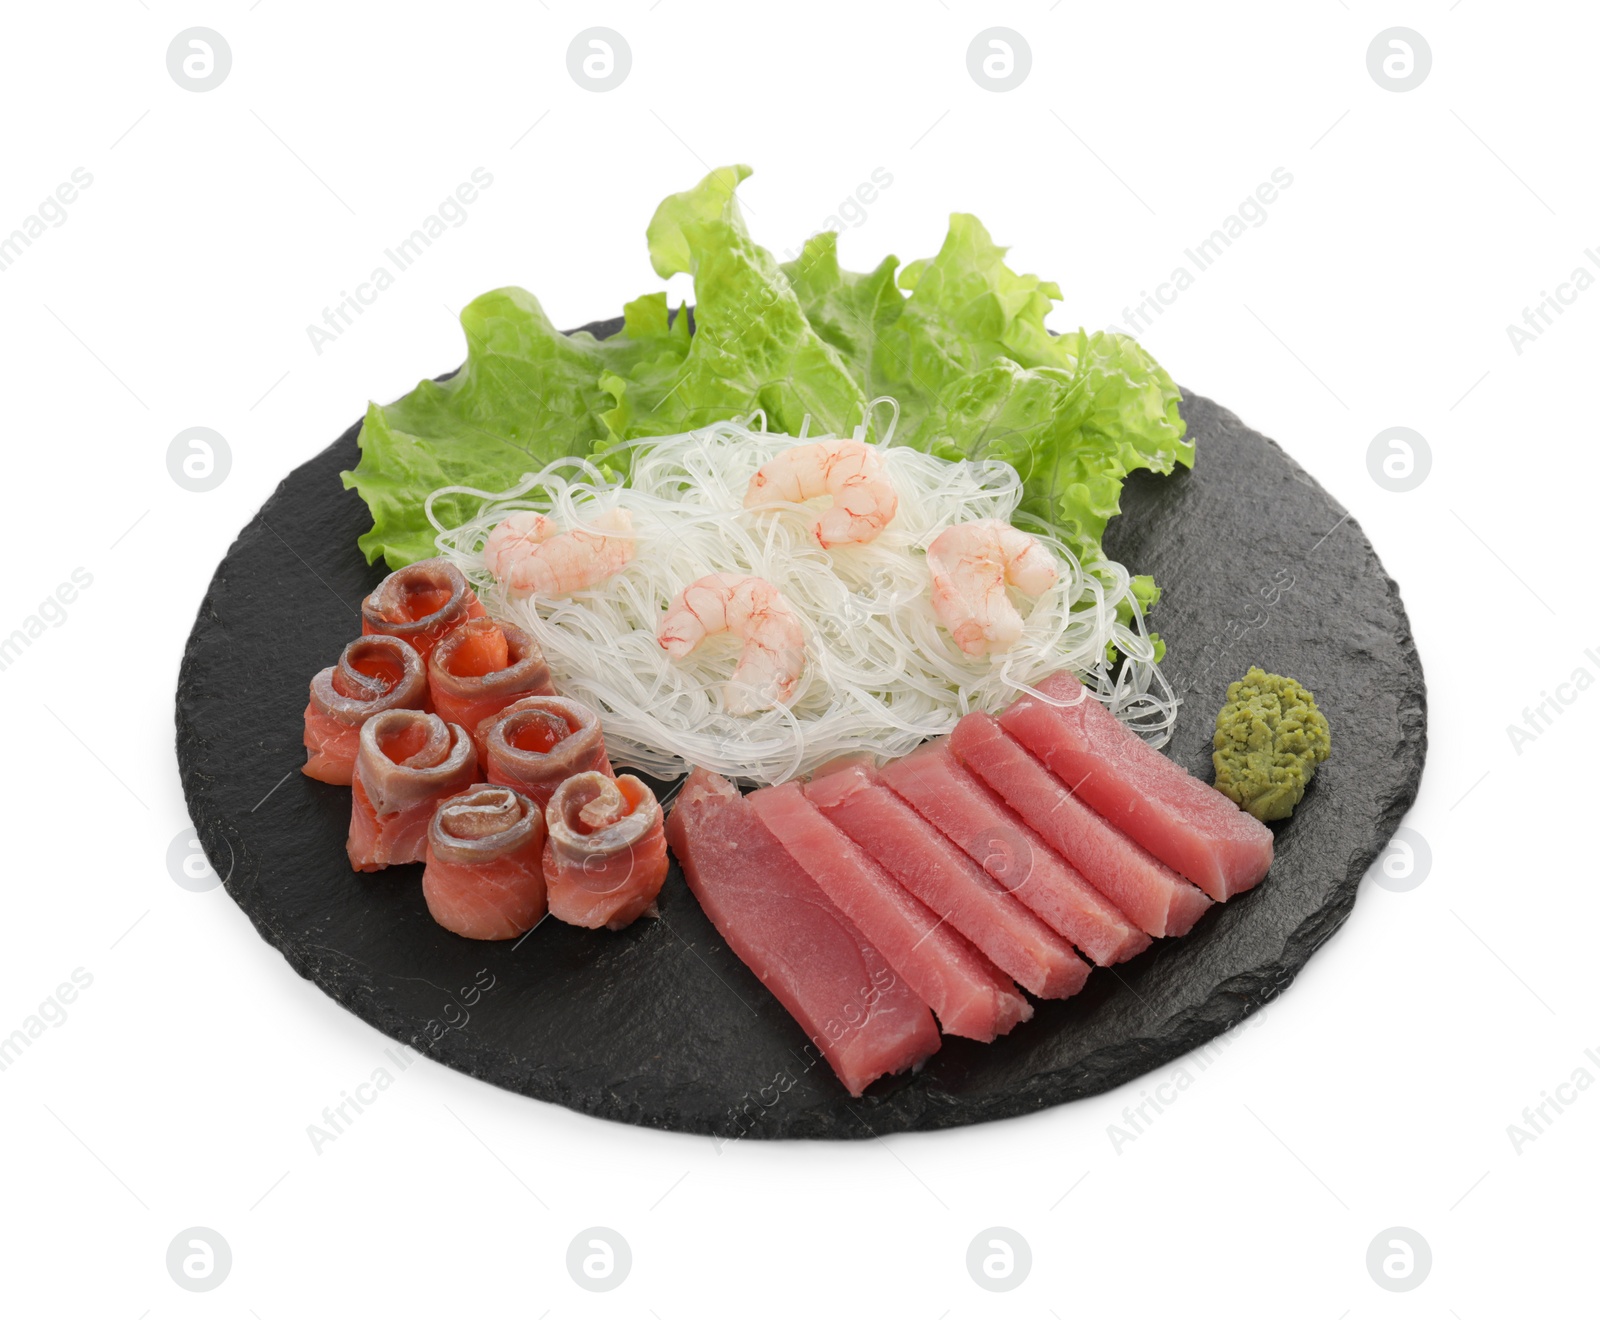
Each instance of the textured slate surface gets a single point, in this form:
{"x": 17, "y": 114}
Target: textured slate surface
{"x": 660, "y": 1024}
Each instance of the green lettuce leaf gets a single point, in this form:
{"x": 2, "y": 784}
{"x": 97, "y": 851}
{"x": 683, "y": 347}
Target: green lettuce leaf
{"x": 1073, "y": 433}
{"x": 958, "y": 339}
{"x": 526, "y": 394}
{"x": 753, "y": 346}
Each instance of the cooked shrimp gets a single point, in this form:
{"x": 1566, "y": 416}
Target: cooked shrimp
{"x": 751, "y": 608}
{"x": 972, "y": 565}
{"x": 864, "y": 498}
{"x": 532, "y": 558}
{"x": 515, "y": 539}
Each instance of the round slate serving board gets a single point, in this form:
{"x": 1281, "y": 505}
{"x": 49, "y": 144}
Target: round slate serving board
{"x": 660, "y": 1024}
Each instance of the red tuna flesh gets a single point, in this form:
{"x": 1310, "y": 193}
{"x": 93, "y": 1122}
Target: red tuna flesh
{"x": 967, "y": 993}
{"x": 1153, "y": 895}
{"x": 865, "y": 1021}
{"x": 949, "y": 882}
{"x": 1186, "y": 823}
{"x": 949, "y": 796}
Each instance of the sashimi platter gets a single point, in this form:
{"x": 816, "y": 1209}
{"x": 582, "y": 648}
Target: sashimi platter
{"x": 842, "y": 706}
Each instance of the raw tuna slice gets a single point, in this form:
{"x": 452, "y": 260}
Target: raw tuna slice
{"x": 409, "y": 761}
{"x": 1153, "y": 895}
{"x": 965, "y": 990}
{"x": 865, "y": 1021}
{"x": 422, "y": 603}
{"x": 374, "y": 674}
{"x": 949, "y": 882}
{"x": 485, "y": 876}
{"x": 1186, "y": 823}
{"x": 945, "y": 793}
{"x": 480, "y": 668}
{"x": 606, "y": 856}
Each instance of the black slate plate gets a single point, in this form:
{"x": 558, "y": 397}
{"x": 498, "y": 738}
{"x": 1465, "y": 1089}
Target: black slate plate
{"x": 660, "y": 1024}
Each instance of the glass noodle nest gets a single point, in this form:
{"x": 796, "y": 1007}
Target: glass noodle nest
{"x": 881, "y": 674}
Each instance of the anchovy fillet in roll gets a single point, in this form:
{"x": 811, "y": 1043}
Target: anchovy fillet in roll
{"x": 605, "y": 855}
{"x": 481, "y": 668}
{"x": 409, "y": 761}
{"x": 485, "y": 876}
{"x": 374, "y": 674}
{"x": 423, "y": 603}
{"x": 535, "y": 743}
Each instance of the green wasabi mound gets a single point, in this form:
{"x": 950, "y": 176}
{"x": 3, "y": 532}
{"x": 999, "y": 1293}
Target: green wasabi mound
{"x": 1270, "y": 739}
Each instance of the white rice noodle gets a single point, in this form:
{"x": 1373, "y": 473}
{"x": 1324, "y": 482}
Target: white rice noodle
{"x": 881, "y": 676}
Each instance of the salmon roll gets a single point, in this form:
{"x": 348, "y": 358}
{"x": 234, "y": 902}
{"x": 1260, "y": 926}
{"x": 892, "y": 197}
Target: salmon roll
{"x": 535, "y": 743}
{"x": 485, "y": 876}
{"x": 409, "y": 761}
{"x": 421, "y": 603}
{"x": 481, "y": 668}
{"x": 374, "y": 674}
{"x": 605, "y": 852}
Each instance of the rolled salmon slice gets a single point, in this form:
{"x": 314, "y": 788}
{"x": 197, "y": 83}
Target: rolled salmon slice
{"x": 862, "y": 1018}
{"x": 485, "y": 874}
{"x": 482, "y": 667}
{"x": 536, "y": 743}
{"x": 948, "y": 881}
{"x": 967, "y": 993}
{"x": 605, "y": 855}
{"x": 1152, "y": 894}
{"x": 409, "y": 761}
{"x": 949, "y": 796}
{"x": 421, "y": 603}
{"x": 374, "y": 674}
{"x": 1185, "y": 822}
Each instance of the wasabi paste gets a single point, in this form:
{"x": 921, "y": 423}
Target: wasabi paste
{"x": 1270, "y": 739}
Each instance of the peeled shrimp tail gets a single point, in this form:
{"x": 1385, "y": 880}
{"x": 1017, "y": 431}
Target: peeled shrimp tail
{"x": 853, "y": 473}
{"x": 971, "y": 564}
{"x": 527, "y": 553}
{"x": 773, "y": 659}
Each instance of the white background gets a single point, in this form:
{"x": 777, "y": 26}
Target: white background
{"x": 1376, "y": 1092}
